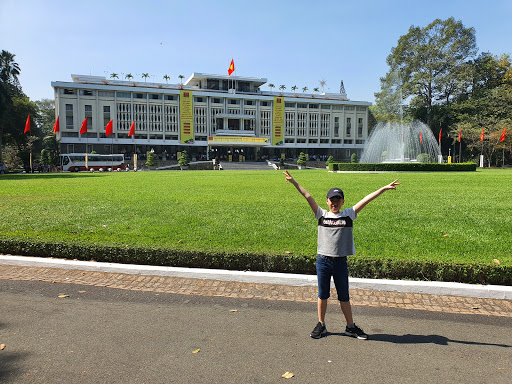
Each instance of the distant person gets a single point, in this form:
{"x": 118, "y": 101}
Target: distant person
{"x": 335, "y": 243}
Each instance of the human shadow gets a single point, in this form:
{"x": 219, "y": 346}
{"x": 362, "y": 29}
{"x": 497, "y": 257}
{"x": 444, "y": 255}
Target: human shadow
{"x": 427, "y": 339}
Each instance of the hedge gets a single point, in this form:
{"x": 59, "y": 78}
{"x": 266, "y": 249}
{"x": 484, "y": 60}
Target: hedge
{"x": 362, "y": 267}
{"x": 403, "y": 167}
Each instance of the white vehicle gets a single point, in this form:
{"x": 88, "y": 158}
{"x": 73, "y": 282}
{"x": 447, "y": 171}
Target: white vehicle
{"x": 75, "y": 162}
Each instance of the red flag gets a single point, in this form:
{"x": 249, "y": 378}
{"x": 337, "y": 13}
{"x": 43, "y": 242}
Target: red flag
{"x": 440, "y": 132}
{"x": 109, "y": 128}
{"x": 502, "y": 138}
{"x": 482, "y": 135}
{"x": 83, "y": 129}
{"x": 421, "y": 137}
{"x": 231, "y": 68}
{"x": 27, "y": 124}
{"x": 460, "y": 134}
{"x": 56, "y": 127}
{"x": 132, "y": 129}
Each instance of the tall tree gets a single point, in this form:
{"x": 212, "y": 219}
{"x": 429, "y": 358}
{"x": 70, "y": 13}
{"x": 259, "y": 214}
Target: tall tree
{"x": 429, "y": 61}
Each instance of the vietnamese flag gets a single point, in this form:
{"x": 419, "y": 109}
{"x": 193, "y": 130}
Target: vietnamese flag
{"x": 27, "y": 124}
{"x": 83, "y": 128}
{"x": 460, "y": 134}
{"x": 109, "y": 128}
{"x": 56, "y": 127}
{"x": 132, "y": 129}
{"x": 421, "y": 137}
{"x": 440, "y": 133}
{"x": 482, "y": 135}
{"x": 231, "y": 68}
{"x": 502, "y": 138}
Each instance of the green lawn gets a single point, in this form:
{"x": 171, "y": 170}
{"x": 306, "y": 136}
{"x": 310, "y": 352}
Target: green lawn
{"x": 446, "y": 217}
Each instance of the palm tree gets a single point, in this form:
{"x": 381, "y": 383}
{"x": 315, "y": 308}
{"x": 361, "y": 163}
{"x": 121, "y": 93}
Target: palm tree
{"x": 129, "y": 76}
{"x": 315, "y": 89}
{"x": 294, "y": 88}
{"x": 282, "y": 87}
{"x": 305, "y": 89}
{"x": 271, "y": 86}
{"x": 9, "y": 69}
{"x": 166, "y": 78}
{"x": 145, "y": 76}
{"x": 114, "y": 76}
{"x": 181, "y": 77}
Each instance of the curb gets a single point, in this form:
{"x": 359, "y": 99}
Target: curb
{"x": 500, "y": 292}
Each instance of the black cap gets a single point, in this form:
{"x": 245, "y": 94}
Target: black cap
{"x": 335, "y": 192}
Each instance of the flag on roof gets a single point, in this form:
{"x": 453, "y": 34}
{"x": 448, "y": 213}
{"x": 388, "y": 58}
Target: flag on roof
{"x": 231, "y": 68}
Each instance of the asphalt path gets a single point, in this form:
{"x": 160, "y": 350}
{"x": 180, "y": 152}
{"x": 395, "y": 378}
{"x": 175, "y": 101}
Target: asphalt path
{"x": 104, "y": 335}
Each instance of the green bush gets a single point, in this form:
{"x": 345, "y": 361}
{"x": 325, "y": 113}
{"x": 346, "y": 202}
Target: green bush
{"x": 353, "y": 158}
{"x": 184, "y": 159}
{"x": 403, "y": 167}
{"x": 151, "y": 159}
{"x": 362, "y": 267}
{"x": 302, "y": 159}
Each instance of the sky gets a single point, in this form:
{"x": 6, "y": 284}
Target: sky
{"x": 288, "y": 42}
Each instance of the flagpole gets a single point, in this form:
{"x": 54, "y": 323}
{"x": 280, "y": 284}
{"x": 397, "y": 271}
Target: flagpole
{"x": 460, "y": 152}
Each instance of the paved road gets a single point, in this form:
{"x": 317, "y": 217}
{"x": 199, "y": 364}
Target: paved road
{"x": 109, "y": 335}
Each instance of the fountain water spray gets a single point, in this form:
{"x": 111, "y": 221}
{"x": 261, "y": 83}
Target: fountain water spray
{"x": 401, "y": 143}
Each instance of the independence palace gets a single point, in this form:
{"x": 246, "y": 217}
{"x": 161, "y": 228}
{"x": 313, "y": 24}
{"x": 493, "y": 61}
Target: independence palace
{"x": 209, "y": 116}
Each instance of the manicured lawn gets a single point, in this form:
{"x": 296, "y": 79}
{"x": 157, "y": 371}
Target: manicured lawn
{"x": 448, "y": 217}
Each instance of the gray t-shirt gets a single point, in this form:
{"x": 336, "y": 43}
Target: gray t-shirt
{"x": 335, "y": 232}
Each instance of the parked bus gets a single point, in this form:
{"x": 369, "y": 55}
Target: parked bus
{"x": 75, "y": 162}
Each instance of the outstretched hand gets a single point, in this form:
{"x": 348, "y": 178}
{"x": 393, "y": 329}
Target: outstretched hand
{"x": 392, "y": 185}
{"x": 288, "y": 176}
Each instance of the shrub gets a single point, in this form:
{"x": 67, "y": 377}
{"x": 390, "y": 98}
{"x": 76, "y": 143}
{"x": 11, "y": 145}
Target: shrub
{"x": 353, "y": 158}
{"x": 151, "y": 159}
{"x": 330, "y": 160}
{"x": 302, "y": 159}
{"x": 403, "y": 167}
{"x": 184, "y": 159}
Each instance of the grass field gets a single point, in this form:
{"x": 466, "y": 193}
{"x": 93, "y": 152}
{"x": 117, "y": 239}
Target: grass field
{"x": 447, "y": 217}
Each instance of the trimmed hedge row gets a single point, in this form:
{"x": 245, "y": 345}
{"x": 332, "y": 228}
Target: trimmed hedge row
{"x": 403, "y": 167}
{"x": 362, "y": 267}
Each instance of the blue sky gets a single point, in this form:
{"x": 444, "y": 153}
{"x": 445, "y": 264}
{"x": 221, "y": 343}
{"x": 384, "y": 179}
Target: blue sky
{"x": 287, "y": 42}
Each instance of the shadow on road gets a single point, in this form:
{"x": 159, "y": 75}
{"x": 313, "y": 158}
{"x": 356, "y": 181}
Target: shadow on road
{"x": 427, "y": 339}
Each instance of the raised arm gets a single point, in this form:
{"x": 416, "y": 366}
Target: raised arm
{"x": 374, "y": 195}
{"x": 312, "y": 203}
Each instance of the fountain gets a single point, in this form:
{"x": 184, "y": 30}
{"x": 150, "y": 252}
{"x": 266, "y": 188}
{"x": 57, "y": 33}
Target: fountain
{"x": 401, "y": 143}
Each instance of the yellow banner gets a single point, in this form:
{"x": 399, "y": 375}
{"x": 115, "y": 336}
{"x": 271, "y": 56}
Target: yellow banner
{"x": 239, "y": 139}
{"x": 186, "y": 117}
{"x": 278, "y": 121}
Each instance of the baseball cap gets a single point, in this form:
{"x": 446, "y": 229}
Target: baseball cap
{"x": 335, "y": 192}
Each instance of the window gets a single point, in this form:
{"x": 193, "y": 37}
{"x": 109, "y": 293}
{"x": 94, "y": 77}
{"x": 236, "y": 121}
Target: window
{"x": 88, "y": 115}
{"x": 216, "y": 101}
{"x": 170, "y": 97}
{"x": 289, "y": 105}
{"x": 248, "y": 102}
{"x": 69, "y": 91}
{"x": 302, "y": 105}
{"x": 360, "y": 126}
{"x": 126, "y": 95}
{"x": 336, "y": 126}
{"x": 233, "y": 101}
{"x": 105, "y": 94}
{"x": 313, "y": 106}
{"x": 139, "y": 96}
{"x": 106, "y": 114}
{"x": 155, "y": 96}
{"x": 326, "y": 106}
{"x": 86, "y": 92}
{"x": 349, "y": 125}
{"x": 264, "y": 103}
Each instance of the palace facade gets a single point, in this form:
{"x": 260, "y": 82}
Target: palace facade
{"x": 209, "y": 116}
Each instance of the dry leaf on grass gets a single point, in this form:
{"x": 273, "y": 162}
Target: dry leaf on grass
{"x": 497, "y": 261}
{"x": 62, "y": 296}
{"x": 2, "y": 347}
{"x": 197, "y": 350}
{"x": 288, "y": 375}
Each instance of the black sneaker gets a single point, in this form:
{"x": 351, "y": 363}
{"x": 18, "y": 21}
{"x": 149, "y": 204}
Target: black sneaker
{"x": 355, "y": 331}
{"x": 319, "y": 331}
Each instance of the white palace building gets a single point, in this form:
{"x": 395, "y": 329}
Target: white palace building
{"x": 209, "y": 116}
